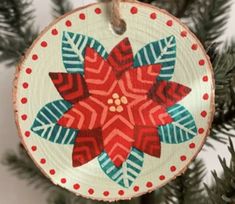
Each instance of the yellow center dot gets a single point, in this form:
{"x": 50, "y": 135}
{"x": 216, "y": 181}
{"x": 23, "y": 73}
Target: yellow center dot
{"x": 117, "y": 102}
{"x": 124, "y": 100}
{"x": 112, "y": 108}
{"x": 119, "y": 109}
{"x": 115, "y": 95}
{"x": 110, "y": 101}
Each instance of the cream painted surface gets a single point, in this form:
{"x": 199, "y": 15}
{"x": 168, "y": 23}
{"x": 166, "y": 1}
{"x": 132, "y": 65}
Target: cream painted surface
{"x": 12, "y": 190}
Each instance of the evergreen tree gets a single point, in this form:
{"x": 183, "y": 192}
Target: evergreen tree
{"x": 207, "y": 18}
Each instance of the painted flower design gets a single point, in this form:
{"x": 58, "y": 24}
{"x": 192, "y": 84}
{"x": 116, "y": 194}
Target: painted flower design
{"x": 116, "y": 106}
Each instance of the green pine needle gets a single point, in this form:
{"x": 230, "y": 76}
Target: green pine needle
{"x": 224, "y": 72}
{"x": 223, "y": 191}
{"x": 16, "y": 29}
{"x": 60, "y": 7}
{"x": 210, "y": 19}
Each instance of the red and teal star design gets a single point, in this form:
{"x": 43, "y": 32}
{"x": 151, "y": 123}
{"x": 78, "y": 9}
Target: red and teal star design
{"x": 116, "y": 107}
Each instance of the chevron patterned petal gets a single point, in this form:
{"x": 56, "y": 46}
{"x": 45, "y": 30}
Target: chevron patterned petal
{"x": 159, "y": 52}
{"x": 128, "y": 172}
{"x": 73, "y": 51}
{"x": 99, "y": 75}
{"x": 121, "y": 57}
{"x": 118, "y": 138}
{"x": 88, "y": 145}
{"x": 148, "y": 113}
{"x": 147, "y": 140}
{"x": 182, "y": 129}
{"x": 140, "y": 80}
{"x": 86, "y": 114}
{"x": 167, "y": 93}
{"x": 71, "y": 87}
{"x": 45, "y": 124}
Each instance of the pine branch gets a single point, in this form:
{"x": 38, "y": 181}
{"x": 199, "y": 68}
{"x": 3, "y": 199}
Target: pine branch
{"x": 60, "y": 7}
{"x": 16, "y": 29}
{"x": 224, "y": 71}
{"x": 224, "y": 189}
{"x": 186, "y": 188}
{"x": 21, "y": 165}
{"x": 210, "y": 19}
{"x": 185, "y": 8}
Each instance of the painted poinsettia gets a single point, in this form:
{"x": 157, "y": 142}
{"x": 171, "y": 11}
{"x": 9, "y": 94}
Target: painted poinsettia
{"x": 112, "y": 106}
{"x": 116, "y": 106}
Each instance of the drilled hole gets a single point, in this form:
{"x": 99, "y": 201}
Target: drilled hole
{"x": 121, "y": 29}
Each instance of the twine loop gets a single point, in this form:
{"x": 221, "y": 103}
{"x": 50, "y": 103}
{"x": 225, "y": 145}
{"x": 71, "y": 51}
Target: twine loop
{"x": 119, "y": 25}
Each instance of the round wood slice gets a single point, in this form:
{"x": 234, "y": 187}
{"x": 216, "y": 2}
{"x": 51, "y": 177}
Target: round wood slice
{"x": 111, "y": 117}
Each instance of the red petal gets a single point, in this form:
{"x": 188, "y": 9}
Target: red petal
{"x": 86, "y": 114}
{"x": 146, "y": 112}
{"x": 118, "y": 137}
{"x": 147, "y": 140}
{"x": 71, "y": 87}
{"x": 168, "y": 93}
{"x": 140, "y": 80}
{"x": 88, "y": 145}
{"x": 99, "y": 75}
{"x": 121, "y": 57}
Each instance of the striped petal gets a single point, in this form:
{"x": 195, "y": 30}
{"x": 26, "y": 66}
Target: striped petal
{"x": 87, "y": 114}
{"x": 140, "y": 80}
{"x": 146, "y": 112}
{"x": 121, "y": 57}
{"x": 147, "y": 140}
{"x": 99, "y": 75}
{"x": 88, "y": 145}
{"x": 118, "y": 138}
{"x": 167, "y": 93}
{"x": 71, "y": 87}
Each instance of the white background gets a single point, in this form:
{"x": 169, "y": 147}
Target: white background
{"x": 13, "y": 190}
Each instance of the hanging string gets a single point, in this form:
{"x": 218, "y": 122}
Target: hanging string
{"x": 119, "y": 25}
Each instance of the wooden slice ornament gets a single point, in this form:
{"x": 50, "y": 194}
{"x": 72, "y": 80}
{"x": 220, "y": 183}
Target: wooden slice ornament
{"x": 113, "y": 116}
